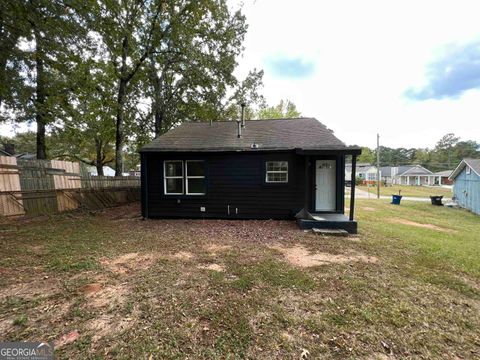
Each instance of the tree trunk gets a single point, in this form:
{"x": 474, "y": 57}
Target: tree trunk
{"x": 119, "y": 128}
{"x": 40, "y": 117}
{"x": 99, "y": 158}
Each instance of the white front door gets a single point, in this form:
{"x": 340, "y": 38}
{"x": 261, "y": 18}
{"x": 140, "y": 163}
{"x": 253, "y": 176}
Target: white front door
{"x": 325, "y": 185}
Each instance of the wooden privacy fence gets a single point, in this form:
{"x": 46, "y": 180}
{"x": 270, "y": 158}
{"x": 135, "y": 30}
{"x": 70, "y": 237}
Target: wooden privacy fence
{"x": 36, "y": 187}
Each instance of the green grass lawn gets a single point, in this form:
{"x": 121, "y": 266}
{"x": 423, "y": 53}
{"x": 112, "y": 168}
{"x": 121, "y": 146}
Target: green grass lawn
{"x": 408, "y": 286}
{"x": 412, "y": 191}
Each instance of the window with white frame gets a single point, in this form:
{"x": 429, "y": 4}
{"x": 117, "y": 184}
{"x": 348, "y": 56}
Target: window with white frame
{"x": 173, "y": 177}
{"x": 372, "y": 176}
{"x": 276, "y": 172}
{"x": 195, "y": 177}
{"x": 468, "y": 170}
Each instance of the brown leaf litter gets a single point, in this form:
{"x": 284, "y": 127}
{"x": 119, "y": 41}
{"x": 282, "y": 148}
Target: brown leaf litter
{"x": 302, "y": 257}
{"x": 420, "y": 225}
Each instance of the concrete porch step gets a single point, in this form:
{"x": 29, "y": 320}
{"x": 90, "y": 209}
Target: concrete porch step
{"x": 330, "y": 232}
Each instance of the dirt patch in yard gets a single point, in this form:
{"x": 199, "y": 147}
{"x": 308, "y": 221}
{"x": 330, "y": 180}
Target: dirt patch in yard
{"x": 108, "y": 324}
{"x": 42, "y": 286}
{"x": 91, "y": 288}
{"x": 302, "y": 257}
{"x": 416, "y": 224}
{"x": 366, "y": 208}
{"x": 129, "y": 262}
{"x": 181, "y": 255}
{"x": 215, "y": 249}
{"x": 111, "y": 295}
{"x": 214, "y": 267}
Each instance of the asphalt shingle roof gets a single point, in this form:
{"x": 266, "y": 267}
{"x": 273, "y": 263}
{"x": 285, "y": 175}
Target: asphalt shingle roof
{"x": 474, "y": 164}
{"x": 278, "y": 134}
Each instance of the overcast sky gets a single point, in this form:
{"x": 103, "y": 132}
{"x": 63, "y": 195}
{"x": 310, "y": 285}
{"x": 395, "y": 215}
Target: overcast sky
{"x": 409, "y": 70}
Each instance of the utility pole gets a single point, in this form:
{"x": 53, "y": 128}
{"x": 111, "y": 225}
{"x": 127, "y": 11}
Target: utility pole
{"x": 378, "y": 166}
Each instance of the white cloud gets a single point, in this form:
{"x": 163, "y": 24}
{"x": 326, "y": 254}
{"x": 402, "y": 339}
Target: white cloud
{"x": 366, "y": 54}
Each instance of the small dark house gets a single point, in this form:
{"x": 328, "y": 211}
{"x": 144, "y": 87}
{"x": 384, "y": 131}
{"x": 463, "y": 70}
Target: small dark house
{"x": 259, "y": 169}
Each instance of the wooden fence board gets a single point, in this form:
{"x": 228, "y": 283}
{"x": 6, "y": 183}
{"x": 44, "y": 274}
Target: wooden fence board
{"x": 35, "y": 187}
{"x": 10, "y": 202}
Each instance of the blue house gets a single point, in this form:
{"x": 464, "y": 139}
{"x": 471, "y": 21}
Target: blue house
{"x": 466, "y": 187}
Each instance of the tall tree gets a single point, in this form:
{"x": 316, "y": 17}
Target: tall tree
{"x": 192, "y": 64}
{"x": 129, "y": 30}
{"x": 246, "y": 92}
{"x": 87, "y": 132}
{"x": 10, "y": 31}
{"x": 48, "y": 32}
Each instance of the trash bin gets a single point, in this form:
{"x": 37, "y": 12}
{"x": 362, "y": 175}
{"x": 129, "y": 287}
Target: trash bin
{"x": 436, "y": 200}
{"x": 396, "y": 199}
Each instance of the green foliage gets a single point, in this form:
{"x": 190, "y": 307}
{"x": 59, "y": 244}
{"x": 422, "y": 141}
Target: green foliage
{"x": 367, "y": 156}
{"x": 448, "y": 152}
{"x": 285, "y": 109}
{"x": 104, "y": 76}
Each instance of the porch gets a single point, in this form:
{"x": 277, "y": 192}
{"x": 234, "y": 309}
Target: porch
{"x": 324, "y": 203}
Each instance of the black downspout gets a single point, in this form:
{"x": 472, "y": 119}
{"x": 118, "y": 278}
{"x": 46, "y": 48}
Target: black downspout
{"x": 143, "y": 174}
{"x": 307, "y": 175}
{"x": 352, "y": 187}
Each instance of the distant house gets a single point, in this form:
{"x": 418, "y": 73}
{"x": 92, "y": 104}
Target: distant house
{"x": 407, "y": 175}
{"x": 107, "y": 171}
{"x": 466, "y": 184}
{"x": 9, "y": 150}
{"x": 442, "y": 178}
{"x": 365, "y": 172}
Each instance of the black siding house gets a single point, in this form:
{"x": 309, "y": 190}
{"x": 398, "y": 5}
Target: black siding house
{"x": 261, "y": 169}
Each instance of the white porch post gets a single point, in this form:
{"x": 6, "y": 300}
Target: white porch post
{"x": 408, "y": 180}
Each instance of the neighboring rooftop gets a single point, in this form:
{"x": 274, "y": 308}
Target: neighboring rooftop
{"x": 404, "y": 170}
{"x": 277, "y": 134}
{"x": 445, "y": 173}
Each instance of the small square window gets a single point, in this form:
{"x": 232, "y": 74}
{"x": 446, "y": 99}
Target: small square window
{"x": 276, "y": 172}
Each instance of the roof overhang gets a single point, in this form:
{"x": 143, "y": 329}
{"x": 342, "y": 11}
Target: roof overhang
{"x": 343, "y": 151}
{"x": 318, "y": 151}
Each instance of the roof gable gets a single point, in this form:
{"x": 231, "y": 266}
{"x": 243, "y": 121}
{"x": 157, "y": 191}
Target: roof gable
{"x": 278, "y": 134}
{"x": 413, "y": 170}
{"x": 474, "y": 164}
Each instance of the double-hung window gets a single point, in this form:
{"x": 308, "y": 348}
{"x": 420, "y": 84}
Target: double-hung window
{"x": 184, "y": 177}
{"x": 195, "y": 177}
{"x": 276, "y": 172}
{"x": 173, "y": 177}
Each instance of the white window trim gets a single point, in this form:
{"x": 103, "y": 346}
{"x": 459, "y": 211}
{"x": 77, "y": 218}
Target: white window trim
{"x": 275, "y": 172}
{"x": 165, "y": 177}
{"x": 469, "y": 170}
{"x": 193, "y": 177}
